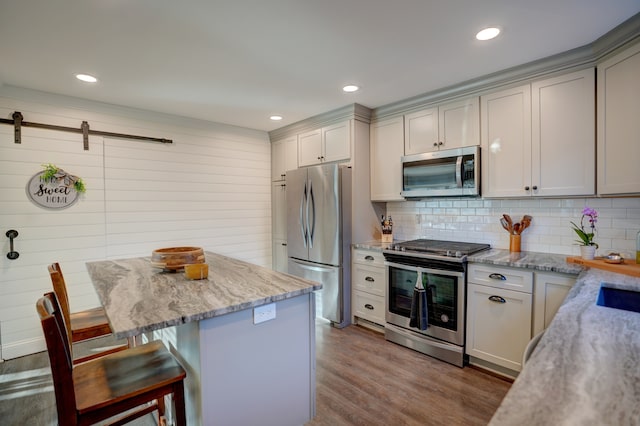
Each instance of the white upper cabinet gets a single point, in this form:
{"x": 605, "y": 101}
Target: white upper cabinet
{"x": 386, "y": 149}
{"x": 310, "y": 148}
{"x": 447, "y": 126}
{"x": 539, "y": 139}
{"x": 330, "y": 143}
{"x": 564, "y": 135}
{"x": 506, "y": 142}
{"x": 619, "y": 123}
{"x": 284, "y": 156}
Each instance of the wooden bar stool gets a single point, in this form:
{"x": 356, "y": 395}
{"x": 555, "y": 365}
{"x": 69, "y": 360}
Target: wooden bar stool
{"x": 83, "y": 325}
{"x": 127, "y": 384}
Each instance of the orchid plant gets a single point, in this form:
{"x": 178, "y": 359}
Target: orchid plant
{"x": 586, "y": 236}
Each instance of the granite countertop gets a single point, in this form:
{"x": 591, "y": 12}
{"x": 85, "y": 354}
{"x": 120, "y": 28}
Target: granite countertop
{"x": 527, "y": 259}
{"x": 530, "y": 260}
{"x": 139, "y": 298}
{"x": 586, "y": 367}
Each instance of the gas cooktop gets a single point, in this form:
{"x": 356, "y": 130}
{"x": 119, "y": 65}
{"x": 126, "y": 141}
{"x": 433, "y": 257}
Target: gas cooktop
{"x": 439, "y": 247}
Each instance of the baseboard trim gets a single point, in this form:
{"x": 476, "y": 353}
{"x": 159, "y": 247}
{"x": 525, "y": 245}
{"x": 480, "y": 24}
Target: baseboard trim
{"x": 23, "y": 348}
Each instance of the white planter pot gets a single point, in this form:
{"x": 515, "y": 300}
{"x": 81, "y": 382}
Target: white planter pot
{"x": 588, "y": 252}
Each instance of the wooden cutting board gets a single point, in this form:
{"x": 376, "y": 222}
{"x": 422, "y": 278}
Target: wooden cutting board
{"x": 629, "y": 267}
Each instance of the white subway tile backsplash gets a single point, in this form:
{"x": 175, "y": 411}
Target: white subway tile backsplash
{"x": 477, "y": 220}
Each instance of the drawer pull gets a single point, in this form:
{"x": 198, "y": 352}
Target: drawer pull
{"x": 496, "y": 276}
{"x": 370, "y": 279}
{"x": 497, "y": 299}
{"x": 367, "y": 257}
{"x": 369, "y": 306}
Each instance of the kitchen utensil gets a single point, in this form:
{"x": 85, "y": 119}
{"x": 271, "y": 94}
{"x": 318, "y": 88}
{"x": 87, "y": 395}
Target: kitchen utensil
{"x": 526, "y": 222}
{"x": 516, "y": 228}
{"x": 509, "y": 222}
{"x": 504, "y": 224}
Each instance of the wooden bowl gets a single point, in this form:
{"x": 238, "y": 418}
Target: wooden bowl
{"x": 174, "y": 258}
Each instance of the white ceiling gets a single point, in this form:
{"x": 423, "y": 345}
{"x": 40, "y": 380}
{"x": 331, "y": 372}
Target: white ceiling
{"x": 238, "y": 62}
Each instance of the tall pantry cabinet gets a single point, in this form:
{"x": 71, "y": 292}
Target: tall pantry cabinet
{"x": 284, "y": 156}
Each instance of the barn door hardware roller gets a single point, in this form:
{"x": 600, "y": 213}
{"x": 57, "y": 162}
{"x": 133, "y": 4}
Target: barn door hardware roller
{"x": 11, "y": 234}
{"x": 18, "y": 123}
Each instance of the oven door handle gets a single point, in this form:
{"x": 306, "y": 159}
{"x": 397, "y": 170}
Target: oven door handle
{"x": 401, "y": 266}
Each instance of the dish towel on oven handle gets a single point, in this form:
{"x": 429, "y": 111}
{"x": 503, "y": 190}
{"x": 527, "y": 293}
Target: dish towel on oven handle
{"x": 419, "y": 314}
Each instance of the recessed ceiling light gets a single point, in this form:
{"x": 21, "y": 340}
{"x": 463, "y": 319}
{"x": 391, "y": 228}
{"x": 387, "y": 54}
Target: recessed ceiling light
{"x": 488, "y": 33}
{"x": 86, "y": 78}
{"x": 276, "y": 117}
{"x": 350, "y": 88}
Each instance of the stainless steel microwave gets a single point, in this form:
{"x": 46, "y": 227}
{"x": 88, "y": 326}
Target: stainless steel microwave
{"x": 447, "y": 173}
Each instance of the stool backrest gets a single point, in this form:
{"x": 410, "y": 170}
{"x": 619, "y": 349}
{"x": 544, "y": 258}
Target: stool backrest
{"x": 60, "y": 356}
{"x": 60, "y": 289}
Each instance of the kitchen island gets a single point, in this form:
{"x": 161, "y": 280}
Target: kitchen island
{"x": 586, "y": 368}
{"x": 239, "y": 370}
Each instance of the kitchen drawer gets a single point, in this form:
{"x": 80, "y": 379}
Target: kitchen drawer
{"x": 368, "y": 306}
{"x": 500, "y": 277}
{"x": 367, "y": 278}
{"x": 368, "y": 257}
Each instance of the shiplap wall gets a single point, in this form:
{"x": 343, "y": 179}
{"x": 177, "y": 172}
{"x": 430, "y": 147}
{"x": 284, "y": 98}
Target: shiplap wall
{"x": 210, "y": 188}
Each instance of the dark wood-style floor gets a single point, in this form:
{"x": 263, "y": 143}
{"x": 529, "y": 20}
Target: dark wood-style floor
{"x": 361, "y": 380}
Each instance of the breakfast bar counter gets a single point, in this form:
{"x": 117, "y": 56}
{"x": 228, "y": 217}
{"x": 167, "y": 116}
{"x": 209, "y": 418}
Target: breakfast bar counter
{"x": 245, "y": 334}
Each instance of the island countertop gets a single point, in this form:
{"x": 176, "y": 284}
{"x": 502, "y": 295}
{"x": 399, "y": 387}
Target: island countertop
{"x": 139, "y": 298}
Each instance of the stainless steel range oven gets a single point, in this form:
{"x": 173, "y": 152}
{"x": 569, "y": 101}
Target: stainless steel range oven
{"x": 441, "y": 267}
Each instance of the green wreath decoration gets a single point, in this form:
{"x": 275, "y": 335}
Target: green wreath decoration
{"x": 54, "y": 173}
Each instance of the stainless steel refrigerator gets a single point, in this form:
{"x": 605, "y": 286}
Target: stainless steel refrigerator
{"x": 319, "y": 235}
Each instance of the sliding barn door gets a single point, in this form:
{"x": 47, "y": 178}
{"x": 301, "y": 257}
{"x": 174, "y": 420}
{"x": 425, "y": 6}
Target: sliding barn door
{"x": 70, "y": 236}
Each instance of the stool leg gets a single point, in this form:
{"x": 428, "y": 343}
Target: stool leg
{"x": 178, "y": 400}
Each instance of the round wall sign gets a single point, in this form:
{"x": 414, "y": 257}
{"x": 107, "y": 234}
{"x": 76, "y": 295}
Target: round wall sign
{"x": 51, "y": 193}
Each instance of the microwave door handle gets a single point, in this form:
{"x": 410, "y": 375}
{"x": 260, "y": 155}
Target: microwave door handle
{"x": 459, "y": 171}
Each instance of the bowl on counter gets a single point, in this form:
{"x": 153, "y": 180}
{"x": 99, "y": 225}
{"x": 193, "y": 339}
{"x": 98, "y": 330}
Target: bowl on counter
{"x": 175, "y": 258}
{"x": 615, "y": 258}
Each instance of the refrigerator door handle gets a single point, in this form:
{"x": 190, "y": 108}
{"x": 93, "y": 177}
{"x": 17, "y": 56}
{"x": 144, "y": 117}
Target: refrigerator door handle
{"x": 303, "y": 227}
{"x": 311, "y": 224}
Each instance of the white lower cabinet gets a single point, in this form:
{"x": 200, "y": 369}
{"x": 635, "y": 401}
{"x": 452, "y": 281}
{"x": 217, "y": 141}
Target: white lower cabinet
{"x": 550, "y": 291}
{"x": 499, "y": 305}
{"x": 368, "y": 286}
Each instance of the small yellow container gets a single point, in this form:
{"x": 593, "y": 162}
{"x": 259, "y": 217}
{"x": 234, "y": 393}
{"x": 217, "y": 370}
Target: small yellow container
{"x": 197, "y": 271}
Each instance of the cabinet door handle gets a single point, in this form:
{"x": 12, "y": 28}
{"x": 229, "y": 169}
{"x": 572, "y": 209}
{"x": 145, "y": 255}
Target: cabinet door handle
{"x": 369, "y": 306}
{"x": 497, "y": 299}
{"x": 370, "y": 279}
{"x": 367, "y": 257}
{"x": 440, "y": 143}
{"x": 435, "y": 144}
{"x": 496, "y": 276}
{"x": 535, "y": 188}
{"x": 526, "y": 188}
